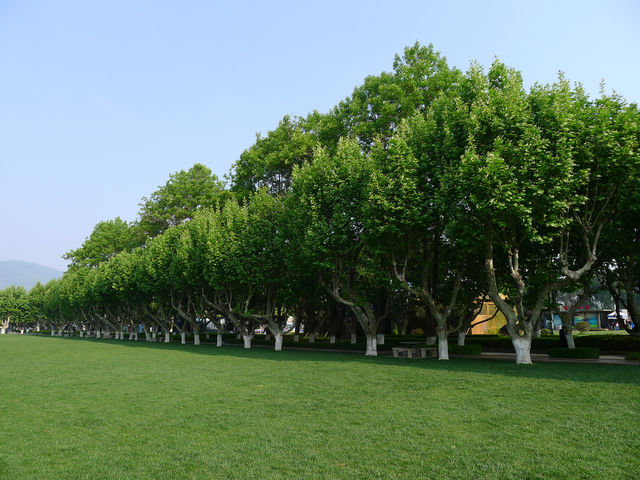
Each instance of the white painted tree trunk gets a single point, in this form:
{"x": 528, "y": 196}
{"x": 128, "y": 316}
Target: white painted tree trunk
{"x": 279, "y": 338}
{"x": 296, "y": 338}
{"x": 247, "y": 341}
{"x": 380, "y": 338}
{"x": 183, "y": 338}
{"x": 238, "y": 336}
{"x": 196, "y": 339}
{"x": 312, "y": 338}
{"x": 81, "y": 334}
{"x": 372, "y": 346}
{"x": 522, "y": 346}
{"x": 135, "y": 336}
{"x": 154, "y": 336}
{"x": 354, "y": 339}
{"x": 219, "y": 340}
{"x": 60, "y": 332}
{"x": 167, "y": 337}
{"x": 3, "y": 331}
{"x": 443, "y": 346}
{"x": 97, "y": 333}
{"x": 431, "y": 340}
{"x": 53, "y": 332}
{"x": 147, "y": 337}
{"x": 267, "y": 337}
{"x": 461, "y": 337}
{"x": 570, "y": 341}
{"x": 107, "y": 333}
{"x": 332, "y": 339}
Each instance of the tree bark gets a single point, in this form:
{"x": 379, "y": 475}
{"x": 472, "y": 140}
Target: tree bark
{"x": 443, "y": 344}
{"x": 167, "y": 337}
{"x": 219, "y": 340}
{"x": 372, "y": 346}
{"x": 183, "y": 338}
{"x": 380, "y": 338}
{"x": 312, "y": 338}
{"x": 354, "y": 339}
{"x": 279, "y": 338}
{"x": 461, "y": 337}
{"x": 196, "y": 338}
{"x": 522, "y": 346}
{"x": 332, "y": 339}
{"x": 247, "y": 341}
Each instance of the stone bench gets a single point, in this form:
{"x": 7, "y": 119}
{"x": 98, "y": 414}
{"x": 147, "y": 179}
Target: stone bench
{"x": 413, "y": 352}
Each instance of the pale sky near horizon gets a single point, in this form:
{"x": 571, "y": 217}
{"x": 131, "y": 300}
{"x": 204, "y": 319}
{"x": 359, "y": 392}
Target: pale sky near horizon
{"x": 101, "y": 101}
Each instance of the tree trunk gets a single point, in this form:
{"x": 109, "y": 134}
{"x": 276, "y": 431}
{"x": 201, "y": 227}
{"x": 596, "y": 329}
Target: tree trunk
{"x": 154, "y": 336}
{"x": 312, "y": 338}
{"x": 53, "y": 332}
{"x": 443, "y": 344}
{"x": 147, "y": 337}
{"x": 183, "y": 338}
{"x": 167, "y": 337}
{"x": 372, "y": 346}
{"x": 569, "y": 336}
{"x": 267, "y": 337}
{"x": 354, "y": 339}
{"x": 97, "y": 333}
{"x": 238, "y": 336}
{"x": 219, "y": 340}
{"x": 461, "y": 337}
{"x": 536, "y": 333}
{"x": 380, "y": 338}
{"x": 332, "y": 339}
{"x": 247, "y": 341}
{"x": 196, "y": 339}
{"x": 431, "y": 340}
{"x": 279, "y": 338}
{"x": 135, "y": 336}
{"x": 296, "y": 338}
{"x": 522, "y": 346}
{"x": 81, "y": 334}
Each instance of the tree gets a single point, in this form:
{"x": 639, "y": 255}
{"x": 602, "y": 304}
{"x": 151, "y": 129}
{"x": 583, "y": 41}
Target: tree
{"x": 107, "y": 239}
{"x": 331, "y": 194}
{"x": 179, "y": 199}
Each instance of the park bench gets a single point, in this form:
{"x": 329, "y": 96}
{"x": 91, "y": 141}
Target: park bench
{"x": 414, "y": 352}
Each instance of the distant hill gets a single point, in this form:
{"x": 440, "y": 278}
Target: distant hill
{"x": 27, "y": 274}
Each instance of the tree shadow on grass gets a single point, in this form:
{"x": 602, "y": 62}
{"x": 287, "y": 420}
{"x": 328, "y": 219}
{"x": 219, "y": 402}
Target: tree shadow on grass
{"x": 578, "y": 372}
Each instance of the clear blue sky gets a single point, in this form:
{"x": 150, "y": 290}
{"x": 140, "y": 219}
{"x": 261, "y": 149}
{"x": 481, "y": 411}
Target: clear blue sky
{"x": 101, "y": 101}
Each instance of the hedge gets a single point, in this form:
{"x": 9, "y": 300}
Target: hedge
{"x": 578, "y": 352}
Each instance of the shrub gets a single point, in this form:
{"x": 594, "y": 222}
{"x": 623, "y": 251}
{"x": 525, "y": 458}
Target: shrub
{"x": 469, "y": 349}
{"x": 578, "y": 352}
{"x": 583, "y": 326}
{"x": 632, "y": 356}
{"x": 545, "y": 332}
{"x": 417, "y": 332}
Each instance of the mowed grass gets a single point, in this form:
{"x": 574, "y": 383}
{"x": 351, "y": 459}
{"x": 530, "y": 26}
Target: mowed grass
{"x": 79, "y": 408}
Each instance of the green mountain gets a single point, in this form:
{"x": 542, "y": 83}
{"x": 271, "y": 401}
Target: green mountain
{"x": 27, "y": 274}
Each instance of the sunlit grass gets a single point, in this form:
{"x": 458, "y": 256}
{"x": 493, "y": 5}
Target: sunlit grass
{"x": 74, "y": 408}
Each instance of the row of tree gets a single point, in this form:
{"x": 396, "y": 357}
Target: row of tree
{"x": 429, "y": 190}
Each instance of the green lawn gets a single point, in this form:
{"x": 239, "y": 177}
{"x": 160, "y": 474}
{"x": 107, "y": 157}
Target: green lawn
{"x": 78, "y": 408}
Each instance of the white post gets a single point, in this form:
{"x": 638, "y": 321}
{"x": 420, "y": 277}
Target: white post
{"x": 332, "y": 339}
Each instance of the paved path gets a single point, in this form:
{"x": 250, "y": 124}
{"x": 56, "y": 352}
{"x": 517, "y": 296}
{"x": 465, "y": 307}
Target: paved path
{"x": 543, "y": 357}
